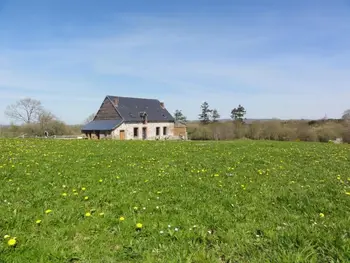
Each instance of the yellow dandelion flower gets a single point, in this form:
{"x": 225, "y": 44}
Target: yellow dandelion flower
{"x": 321, "y": 215}
{"x": 12, "y": 242}
{"x": 86, "y": 198}
{"x": 48, "y": 211}
{"x": 38, "y": 221}
{"x": 347, "y": 193}
{"x": 64, "y": 194}
{"x": 216, "y": 175}
{"x": 83, "y": 188}
{"x": 135, "y": 208}
{"x": 100, "y": 180}
{"x": 138, "y": 225}
{"x": 121, "y": 218}
{"x": 87, "y": 214}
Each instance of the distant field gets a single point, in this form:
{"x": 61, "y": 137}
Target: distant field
{"x": 209, "y": 202}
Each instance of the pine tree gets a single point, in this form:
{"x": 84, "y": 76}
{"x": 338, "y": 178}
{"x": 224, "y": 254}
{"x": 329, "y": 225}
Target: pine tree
{"x": 215, "y": 115}
{"x": 238, "y": 113}
{"x": 179, "y": 116}
{"x": 204, "y": 117}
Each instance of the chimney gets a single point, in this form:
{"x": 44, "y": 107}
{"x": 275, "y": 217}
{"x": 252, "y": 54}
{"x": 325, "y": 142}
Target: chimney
{"x": 162, "y": 105}
{"x": 115, "y": 101}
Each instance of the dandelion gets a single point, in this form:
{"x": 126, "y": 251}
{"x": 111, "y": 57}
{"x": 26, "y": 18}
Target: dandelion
{"x": 321, "y": 215}
{"x": 38, "y": 221}
{"x": 138, "y": 226}
{"x": 86, "y": 198}
{"x": 48, "y": 211}
{"x": 83, "y": 188}
{"x": 136, "y": 208}
{"x": 64, "y": 194}
{"x": 12, "y": 242}
{"x": 216, "y": 175}
{"x": 88, "y": 214}
{"x": 121, "y": 219}
{"x": 100, "y": 180}
{"x": 347, "y": 193}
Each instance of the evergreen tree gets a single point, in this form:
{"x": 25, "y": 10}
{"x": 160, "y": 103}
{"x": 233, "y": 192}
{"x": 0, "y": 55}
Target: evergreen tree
{"x": 215, "y": 115}
{"x": 204, "y": 117}
{"x": 238, "y": 113}
{"x": 179, "y": 116}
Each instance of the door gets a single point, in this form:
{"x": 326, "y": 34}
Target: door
{"x": 122, "y": 135}
{"x": 144, "y": 133}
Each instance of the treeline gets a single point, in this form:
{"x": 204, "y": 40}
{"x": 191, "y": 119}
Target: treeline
{"x": 312, "y": 131}
{"x": 209, "y": 127}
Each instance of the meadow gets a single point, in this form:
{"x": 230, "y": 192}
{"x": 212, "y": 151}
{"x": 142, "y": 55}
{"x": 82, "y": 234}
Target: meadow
{"x": 138, "y": 201}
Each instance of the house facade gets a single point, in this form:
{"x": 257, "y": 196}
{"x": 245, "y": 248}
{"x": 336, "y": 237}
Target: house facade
{"x": 125, "y": 118}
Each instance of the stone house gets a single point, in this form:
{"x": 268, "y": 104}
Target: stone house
{"x": 125, "y": 118}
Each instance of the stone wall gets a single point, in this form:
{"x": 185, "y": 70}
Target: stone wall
{"x": 151, "y": 131}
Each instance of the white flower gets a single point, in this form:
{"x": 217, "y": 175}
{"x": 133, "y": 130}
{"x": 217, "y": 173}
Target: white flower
{"x": 161, "y": 232}
{"x": 169, "y": 226}
{"x": 157, "y": 207}
{"x": 176, "y": 229}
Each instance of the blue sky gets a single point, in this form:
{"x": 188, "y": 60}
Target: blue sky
{"x": 279, "y": 59}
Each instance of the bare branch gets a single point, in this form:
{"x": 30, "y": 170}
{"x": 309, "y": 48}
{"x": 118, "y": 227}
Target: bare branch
{"x": 26, "y": 110}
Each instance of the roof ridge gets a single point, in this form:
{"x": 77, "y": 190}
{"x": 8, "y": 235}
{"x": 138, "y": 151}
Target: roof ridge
{"x": 132, "y": 97}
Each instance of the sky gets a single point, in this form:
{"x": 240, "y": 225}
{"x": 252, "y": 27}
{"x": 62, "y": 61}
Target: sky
{"x": 279, "y": 59}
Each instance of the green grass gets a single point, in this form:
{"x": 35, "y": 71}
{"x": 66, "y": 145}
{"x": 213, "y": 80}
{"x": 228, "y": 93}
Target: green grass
{"x": 237, "y": 201}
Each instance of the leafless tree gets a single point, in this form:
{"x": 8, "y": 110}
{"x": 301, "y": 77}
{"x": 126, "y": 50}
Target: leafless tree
{"x": 90, "y": 118}
{"x": 26, "y": 110}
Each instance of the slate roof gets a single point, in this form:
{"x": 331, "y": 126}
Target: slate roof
{"x": 102, "y": 125}
{"x": 130, "y": 108}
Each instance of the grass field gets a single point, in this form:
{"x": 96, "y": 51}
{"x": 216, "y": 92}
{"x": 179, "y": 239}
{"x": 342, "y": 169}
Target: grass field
{"x": 243, "y": 201}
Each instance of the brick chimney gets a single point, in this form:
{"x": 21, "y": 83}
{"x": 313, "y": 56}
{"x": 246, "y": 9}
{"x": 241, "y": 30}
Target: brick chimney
{"x": 115, "y": 101}
{"x": 162, "y": 105}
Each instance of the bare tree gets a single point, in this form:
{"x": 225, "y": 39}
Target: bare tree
{"x": 25, "y": 110}
{"x": 44, "y": 119}
{"x": 90, "y": 118}
{"x": 346, "y": 115}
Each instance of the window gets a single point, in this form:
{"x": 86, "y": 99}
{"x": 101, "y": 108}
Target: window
{"x": 136, "y": 132}
{"x": 157, "y": 131}
{"x": 164, "y": 130}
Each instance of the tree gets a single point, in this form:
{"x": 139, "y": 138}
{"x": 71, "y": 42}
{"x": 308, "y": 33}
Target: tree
{"x": 26, "y": 110}
{"x": 179, "y": 116}
{"x": 45, "y": 120}
{"x": 90, "y": 118}
{"x": 204, "y": 117}
{"x": 215, "y": 115}
{"x": 346, "y": 115}
{"x": 238, "y": 113}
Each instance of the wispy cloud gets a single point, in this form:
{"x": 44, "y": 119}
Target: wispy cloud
{"x": 276, "y": 64}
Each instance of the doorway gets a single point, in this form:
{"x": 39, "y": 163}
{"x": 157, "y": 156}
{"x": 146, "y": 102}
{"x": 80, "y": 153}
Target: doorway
{"x": 122, "y": 135}
{"x": 144, "y": 133}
